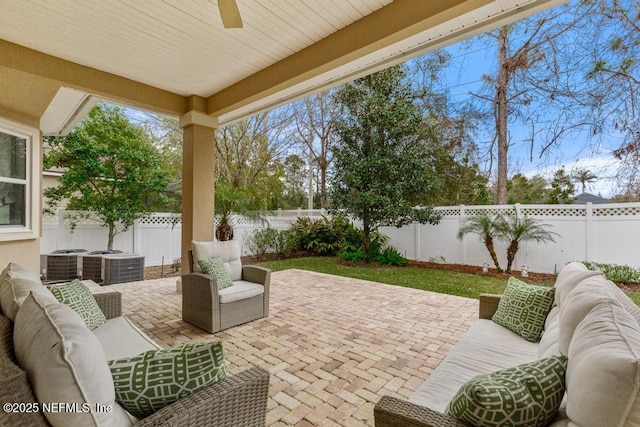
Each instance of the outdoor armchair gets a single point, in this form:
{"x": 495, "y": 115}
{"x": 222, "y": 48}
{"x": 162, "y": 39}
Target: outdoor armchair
{"x": 213, "y": 309}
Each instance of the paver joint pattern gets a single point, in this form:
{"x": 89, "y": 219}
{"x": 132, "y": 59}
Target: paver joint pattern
{"x": 333, "y": 345}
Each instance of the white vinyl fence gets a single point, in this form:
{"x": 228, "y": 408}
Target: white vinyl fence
{"x": 157, "y": 236}
{"x": 608, "y": 233}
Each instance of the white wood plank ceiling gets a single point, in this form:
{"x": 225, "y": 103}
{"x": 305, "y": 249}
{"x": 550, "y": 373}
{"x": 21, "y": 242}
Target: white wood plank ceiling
{"x": 181, "y": 46}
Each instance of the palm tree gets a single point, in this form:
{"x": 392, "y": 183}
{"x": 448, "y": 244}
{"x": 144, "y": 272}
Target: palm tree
{"x": 487, "y": 228}
{"x": 515, "y": 230}
{"x": 584, "y": 177}
{"x": 229, "y": 201}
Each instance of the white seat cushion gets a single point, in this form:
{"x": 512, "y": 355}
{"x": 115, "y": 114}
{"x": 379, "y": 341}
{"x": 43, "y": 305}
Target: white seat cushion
{"x": 487, "y": 347}
{"x": 120, "y": 338}
{"x": 240, "y": 290}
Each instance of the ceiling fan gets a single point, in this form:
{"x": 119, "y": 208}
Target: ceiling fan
{"x": 230, "y": 14}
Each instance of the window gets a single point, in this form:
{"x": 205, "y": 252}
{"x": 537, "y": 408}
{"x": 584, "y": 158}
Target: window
{"x": 17, "y": 204}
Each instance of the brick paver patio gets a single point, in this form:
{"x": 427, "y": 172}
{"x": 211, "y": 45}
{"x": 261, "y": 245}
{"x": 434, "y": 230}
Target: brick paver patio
{"x": 333, "y": 345}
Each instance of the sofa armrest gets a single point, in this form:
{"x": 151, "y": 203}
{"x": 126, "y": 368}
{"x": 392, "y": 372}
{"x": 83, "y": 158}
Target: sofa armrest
{"x": 393, "y": 412}
{"x": 238, "y": 400}
{"x": 256, "y": 274}
{"x": 488, "y": 305}
{"x": 110, "y": 303}
{"x": 15, "y": 388}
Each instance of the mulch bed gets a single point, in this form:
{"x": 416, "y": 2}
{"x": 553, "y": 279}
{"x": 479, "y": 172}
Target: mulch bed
{"x": 543, "y": 278}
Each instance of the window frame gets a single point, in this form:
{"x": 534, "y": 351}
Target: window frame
{"x": 31, "y": 228}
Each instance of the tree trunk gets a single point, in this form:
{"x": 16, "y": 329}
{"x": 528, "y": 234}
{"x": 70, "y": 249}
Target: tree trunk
{"x": 501, "y": 112}
{"x": 488, "y": 242}
{"x": 224, "y": 231}
{"x": 366, "y": 239}
{"x": 512, "y": 250}
{"x": 112, "y": 233}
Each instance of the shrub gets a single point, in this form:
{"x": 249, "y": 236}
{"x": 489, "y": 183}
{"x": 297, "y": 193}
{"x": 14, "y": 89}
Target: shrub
{"x": 270, "y": 240}
{"x": 615, "y": 273}
{"x": 352, "y": 255}
{"x": 323, "y": 236}
{"x": 391, "y": 256}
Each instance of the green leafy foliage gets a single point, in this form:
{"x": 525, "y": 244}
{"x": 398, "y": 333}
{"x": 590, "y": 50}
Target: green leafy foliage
{"x": 616, "y": 273}
{"x": 515, "y": 229}
{"x": 110, "y": 168}
{"x": 381, "y": 170}
{"x": 323, "y": 236}
{"x": 391, "y": 256}
{"x": 352, "y": 255}
{"x": 270, "y": 240}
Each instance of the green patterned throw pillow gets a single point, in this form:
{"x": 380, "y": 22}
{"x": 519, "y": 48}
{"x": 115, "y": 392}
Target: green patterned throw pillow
{"x": 77, "y": 296}
{"x": 156, "y": 378}
{"x": 215, "y": 267}
{"x": 523, "y": 308}
{"x": 526, "y": 395}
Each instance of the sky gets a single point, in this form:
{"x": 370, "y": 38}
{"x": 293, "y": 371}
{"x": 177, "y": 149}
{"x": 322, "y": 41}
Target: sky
{"x": 469, "y": 61}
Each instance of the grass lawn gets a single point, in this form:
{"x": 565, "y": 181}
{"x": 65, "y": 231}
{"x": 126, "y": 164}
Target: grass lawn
{"x": 442, "y": 281}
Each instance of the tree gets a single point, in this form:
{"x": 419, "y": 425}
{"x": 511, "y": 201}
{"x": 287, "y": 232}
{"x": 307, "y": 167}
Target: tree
{"x": 230, "y": 200}
{"x": 584, "y": 177}
{"x": 527, "y": 82}
{"x": 295, "y": 173}
{"x": 516, "y": 230}
{"x": 111, "y": 168}
{"x": 314, "y": 117}
{"x": 562, "y": 188}
{"x": 521, "y": 189}
{"x": 447, "y": 132}
{"x": 381, "y": 170}
{"x": 248, "y": 154}
{"x": 488, "y": 228}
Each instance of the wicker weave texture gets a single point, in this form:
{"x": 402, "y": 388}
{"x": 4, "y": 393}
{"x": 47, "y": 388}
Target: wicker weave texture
{"x": 6, "y": 338}
{"x": 243, "y": 311}
{"x": 110, "y": 303}
{"x": 238, "y": 401}
{"x": 14, "y": 388}
{"x": 392, "y": 412}
{"x": 488, "y": 305}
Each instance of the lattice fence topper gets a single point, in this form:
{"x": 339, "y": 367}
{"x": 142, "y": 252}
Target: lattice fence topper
{"x": 161, "y": 219}
{"x": 616, "y": 210}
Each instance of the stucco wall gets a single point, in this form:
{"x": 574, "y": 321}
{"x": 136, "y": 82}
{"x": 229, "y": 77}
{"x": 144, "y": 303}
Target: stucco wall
{"x": 23, "y": 252}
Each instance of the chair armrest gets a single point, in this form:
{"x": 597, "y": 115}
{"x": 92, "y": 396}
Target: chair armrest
{"x": 238, "y": 400}
{"x": 200, "y": 283}
{"x": 488, "y": 305}
{"x": 256, "y": 274}
{"x": 110, "y": 303}
{"x": 393, "y": 412}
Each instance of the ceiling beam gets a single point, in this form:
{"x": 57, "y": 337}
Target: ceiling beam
{"x": 88, "y": 79}
{"x": 390, "y": 24}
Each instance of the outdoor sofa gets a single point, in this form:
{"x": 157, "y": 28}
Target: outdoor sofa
{"x": 213, "y": 308}
{"x": 237, "y": 400}
{"x": 591, "y": 321}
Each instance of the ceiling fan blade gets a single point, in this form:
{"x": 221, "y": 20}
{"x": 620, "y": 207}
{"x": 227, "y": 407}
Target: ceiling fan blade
{"x": 230, "y": 14}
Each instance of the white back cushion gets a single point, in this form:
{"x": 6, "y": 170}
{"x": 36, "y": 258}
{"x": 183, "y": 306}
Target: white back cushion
{"x": 579, "y": 302}
{"x": 603, "y": 374}
{"x": 228, "y": 251}
{"x": 569, "y": 277}
{"x": 64, "y": 362}
{"x": 15, "y": 284}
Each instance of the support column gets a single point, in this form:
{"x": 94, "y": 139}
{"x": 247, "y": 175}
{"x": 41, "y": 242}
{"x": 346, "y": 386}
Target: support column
{"x": 197, "y": 179}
